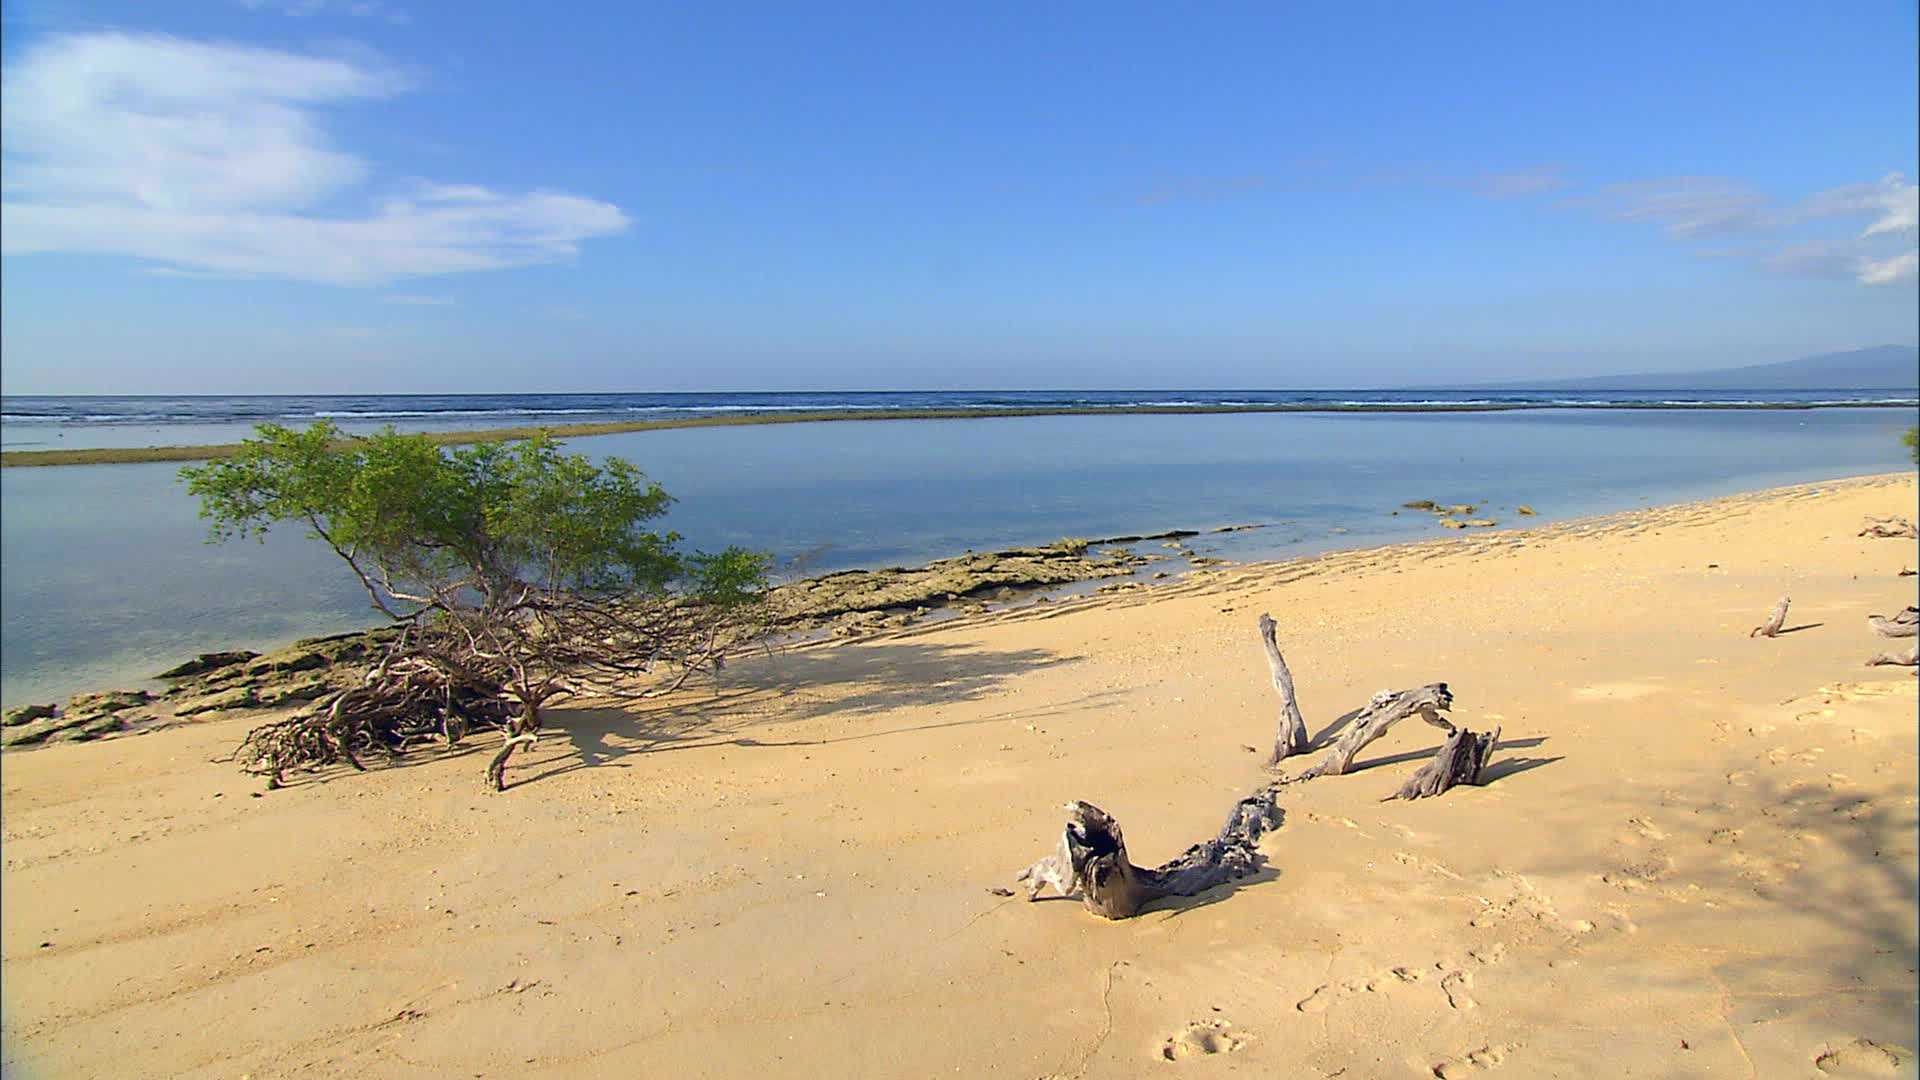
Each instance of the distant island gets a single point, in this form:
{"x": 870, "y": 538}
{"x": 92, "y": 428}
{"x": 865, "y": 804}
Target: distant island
{"x": 1883, "y": 367}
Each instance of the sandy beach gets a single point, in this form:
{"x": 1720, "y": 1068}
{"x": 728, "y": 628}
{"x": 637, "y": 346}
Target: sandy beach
{"x": 1694, "y": 853}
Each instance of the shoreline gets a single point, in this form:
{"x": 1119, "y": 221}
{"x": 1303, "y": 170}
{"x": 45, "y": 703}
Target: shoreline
{"x": 148, "y": 454}
{"x": 861, "y": 603}
{"x": 1704, "y": 837}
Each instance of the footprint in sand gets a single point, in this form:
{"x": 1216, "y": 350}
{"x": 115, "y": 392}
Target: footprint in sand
{"x": 1407, "y": 858}
{"x": 1490, "y": 1056}
{"x": 1864, "y": 1057}
{"x": 1646, "y": 828}
{"x": 1455, "y": 984}
{"x": 1201, "y": 1038}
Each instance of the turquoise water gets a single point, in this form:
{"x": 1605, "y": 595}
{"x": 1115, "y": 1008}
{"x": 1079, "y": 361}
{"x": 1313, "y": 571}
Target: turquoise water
{"x": 104, "y": 577}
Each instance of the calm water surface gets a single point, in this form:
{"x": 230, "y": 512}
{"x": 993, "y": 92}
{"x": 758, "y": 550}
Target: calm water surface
{"x": 105, "y": 579}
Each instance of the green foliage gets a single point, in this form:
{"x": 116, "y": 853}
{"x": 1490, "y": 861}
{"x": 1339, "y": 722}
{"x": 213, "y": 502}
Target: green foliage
{"x": 1912, "y": 439}
{"x": 498, "y": 520}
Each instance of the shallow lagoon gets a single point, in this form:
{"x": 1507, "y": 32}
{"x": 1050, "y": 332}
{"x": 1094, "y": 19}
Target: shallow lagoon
{"x": 104, "y": 577}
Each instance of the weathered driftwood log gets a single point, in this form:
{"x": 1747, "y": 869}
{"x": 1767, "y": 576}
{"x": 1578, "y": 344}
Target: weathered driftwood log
{"x": 1458, "y": 761}
{"x": 1910, "y": 658}
{"x": 1291, "y": 735}
{"x": 1896, "y": 528}
{"x": 1385, "y": 710}
{"x": 1774, "y": 621}
{"x": 1905, "y": 624}
{"x": 1093, "y": 856}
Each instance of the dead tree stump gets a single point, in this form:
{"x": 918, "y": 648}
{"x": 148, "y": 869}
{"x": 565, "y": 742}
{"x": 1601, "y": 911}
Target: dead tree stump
{"x": 1114, "y": 888}
{"x": 1905, "y": 624}
{"x": 1892, "y": 528}
{"x": 1385, "y": 710}
{"x": 1291, "y": 735}
{"x": 1910, "y": 658}
{"x": 1775, "y": 621}
{"x": 1458, "y": 761}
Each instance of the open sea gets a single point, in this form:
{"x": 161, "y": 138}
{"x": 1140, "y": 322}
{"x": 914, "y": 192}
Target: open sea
{"x": 105, "y": 577}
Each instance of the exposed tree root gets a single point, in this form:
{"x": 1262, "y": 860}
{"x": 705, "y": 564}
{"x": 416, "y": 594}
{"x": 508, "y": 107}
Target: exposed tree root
{"x": 1458, "y": 761}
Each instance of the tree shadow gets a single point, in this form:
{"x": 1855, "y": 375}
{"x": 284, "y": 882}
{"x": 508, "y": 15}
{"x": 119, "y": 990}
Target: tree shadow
{"x": 1840, "y": 860}
{"x": 841, "y": 680}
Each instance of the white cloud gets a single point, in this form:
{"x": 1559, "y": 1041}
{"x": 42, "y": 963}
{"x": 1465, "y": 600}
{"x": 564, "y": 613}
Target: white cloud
{"x": 210, "y": 157}
{"x": 1690, "y": 208}
{"x": 1888, "y": 271}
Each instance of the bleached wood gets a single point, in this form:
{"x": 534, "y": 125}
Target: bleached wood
{"x": 1458, "y": 761}
{"x": 1774, "y": 622}
{"x": 1385, "y": 710}
{"x": 1905, "y": 624}
{"x": 1910, "y": 658}
{"x": 1095, "y": 853}
{"x": 1291, "y": 735}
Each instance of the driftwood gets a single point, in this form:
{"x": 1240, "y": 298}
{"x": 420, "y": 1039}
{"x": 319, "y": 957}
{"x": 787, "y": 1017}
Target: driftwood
{"x": 1385, "y": 710}
{"x": 1458, "y": 761}
{"x": 1910, "y": 658}
{"x": 1774, "y": 621}
{"x": 1905, "y": 624}
{"x": 1093, "y": 854}
{"x": 1892, "y": 528}
{"x": 1291, "y": 736}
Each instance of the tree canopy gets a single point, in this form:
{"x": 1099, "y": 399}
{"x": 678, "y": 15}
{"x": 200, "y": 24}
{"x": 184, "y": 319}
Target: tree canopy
{"x": 518, "y": 572}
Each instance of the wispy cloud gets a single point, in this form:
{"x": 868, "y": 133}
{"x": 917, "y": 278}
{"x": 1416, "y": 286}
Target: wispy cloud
{"x": 1513, "y": 185}
{"x": 1319, "y": 175}
{"x": 357, "y": 9}
{"x": 1877, "y": 248}
{"x": 210, "y": 157}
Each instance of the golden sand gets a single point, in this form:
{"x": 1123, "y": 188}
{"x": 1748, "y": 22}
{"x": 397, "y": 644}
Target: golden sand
{"x": 1695, "y": 855}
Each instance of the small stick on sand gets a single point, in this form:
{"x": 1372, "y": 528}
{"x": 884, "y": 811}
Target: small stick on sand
{"x": 1905, "y": 624}
{"x": 1774, "y": 621}
{"x": 1890, "y": 528}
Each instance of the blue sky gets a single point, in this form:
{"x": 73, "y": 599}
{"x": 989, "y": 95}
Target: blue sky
{"x": 287, "y": 196}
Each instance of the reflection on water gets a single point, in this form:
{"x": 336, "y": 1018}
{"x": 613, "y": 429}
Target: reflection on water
{"x": 106, "y": 577}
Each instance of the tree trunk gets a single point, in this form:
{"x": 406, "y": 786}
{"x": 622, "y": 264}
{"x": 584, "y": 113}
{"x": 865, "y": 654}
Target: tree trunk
{"x": 1774, "y": 621}
{"x": 1910, "y": 658}
{"x": 1458, "y": 761}
{"x": 1385, "y": 710}
{"x": 1896, "y": 528}
{"x": 1291, "y": 737}
{"x": 1905, "y": 624}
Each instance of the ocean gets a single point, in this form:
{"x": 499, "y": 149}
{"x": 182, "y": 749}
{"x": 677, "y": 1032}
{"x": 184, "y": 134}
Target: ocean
{"x": 75, "y": 423}
{"x": 107, "y": 577}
